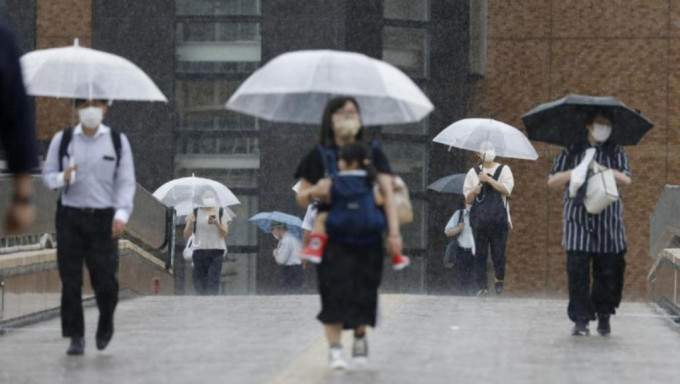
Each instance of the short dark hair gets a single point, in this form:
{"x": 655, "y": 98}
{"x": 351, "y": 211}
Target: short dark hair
{"x": 79, "y": 102}
{"x": 606, "y": 113}
{"x": 361, "y": 153}
{"x": 326, "y": 136}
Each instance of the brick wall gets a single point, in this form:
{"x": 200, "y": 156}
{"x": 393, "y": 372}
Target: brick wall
{"x": 540, "y": 50}
{"x": 58, "y": 23}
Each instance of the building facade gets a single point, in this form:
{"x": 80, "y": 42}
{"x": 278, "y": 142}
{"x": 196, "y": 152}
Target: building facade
{"x": 472, "y": 58}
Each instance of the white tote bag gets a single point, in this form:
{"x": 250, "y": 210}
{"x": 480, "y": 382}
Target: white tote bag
{"x": 188, "y": 252}
{"x": 601, "y": 191}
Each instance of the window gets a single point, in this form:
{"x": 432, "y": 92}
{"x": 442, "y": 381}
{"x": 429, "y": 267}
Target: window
{"x": 218, "y": 7}
{"x": 418, "y": 10}
{"x": 218, "y": 47}
{"x": 406, "y": 48}
{"x": 408, "y": 160}
{"x": 201, "y": 106}
{"x": 478, "y": 37}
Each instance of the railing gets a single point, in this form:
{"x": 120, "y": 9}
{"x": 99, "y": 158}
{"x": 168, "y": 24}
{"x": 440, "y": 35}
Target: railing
{"x": 664, "y": 247}
{"x": 150, "y": 224}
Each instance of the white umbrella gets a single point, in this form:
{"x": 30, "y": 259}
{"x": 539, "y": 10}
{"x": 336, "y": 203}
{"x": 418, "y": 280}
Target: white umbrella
{"x": 82, "y": 73}
{"x": 184, "y": 193}
{"x": 296, "y": 86}
{"x": 476, "y": 134}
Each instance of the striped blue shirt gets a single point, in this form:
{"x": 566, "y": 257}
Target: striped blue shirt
{"x": 585, "y": 232}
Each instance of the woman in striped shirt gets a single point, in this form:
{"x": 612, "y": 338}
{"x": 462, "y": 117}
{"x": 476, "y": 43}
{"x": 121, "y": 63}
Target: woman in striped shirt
{"x": 598, "y": 239}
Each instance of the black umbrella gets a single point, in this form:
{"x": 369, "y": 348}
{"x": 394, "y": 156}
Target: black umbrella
{"x": 449, "y": 184}
{"x": 563, "y": 122}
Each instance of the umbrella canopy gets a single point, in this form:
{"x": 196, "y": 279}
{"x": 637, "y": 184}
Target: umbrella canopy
{"x": 184, "y": 194}
{"x": 296, "y": 86}
{"x": 186, "y": 208}
{"x": 83, "y": 73}
{"x": 264, "y": 221}
{"x": 563, "y": 122}
{"x": 449, "y": 184}
{"x": 476, "y": 134}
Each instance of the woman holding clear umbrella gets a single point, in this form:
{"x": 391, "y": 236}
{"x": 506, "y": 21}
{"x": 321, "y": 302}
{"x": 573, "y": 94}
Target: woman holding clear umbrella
{"x": 488, "y": 186}
{"x": 209, "y": 225}
{"x": 349, "y": 276}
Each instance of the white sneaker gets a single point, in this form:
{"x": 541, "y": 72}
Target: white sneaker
{"x": 335, "y": 359}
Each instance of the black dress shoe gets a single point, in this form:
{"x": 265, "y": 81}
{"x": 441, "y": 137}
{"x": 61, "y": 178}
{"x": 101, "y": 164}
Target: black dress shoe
{"x": 603, "y": 326}
{"x": 77, "y": 347}
{"x": 103, "y": 339}
{"x": 498, "y": 286}
{"x": 580, "y": 329}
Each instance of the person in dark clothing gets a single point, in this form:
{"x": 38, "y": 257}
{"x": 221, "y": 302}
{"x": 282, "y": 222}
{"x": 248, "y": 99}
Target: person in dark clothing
{"x": 17, "y": 134}
{"x": 597, "y": 239}
{"x": 486, "y": 189}
{"x": 349, "y": 275}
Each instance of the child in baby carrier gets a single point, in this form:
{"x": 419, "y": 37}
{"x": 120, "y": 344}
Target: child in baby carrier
{"x": 355, "y": 216}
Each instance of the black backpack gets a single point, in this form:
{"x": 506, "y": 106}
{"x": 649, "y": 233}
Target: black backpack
{"x": 66, "y": 140}
{"x": 488, "y": 211}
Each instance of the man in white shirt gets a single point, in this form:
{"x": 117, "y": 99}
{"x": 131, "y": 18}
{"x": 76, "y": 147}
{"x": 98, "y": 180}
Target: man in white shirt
{"x": 487, "y": 188}
{"x": 287, "y": 255}
{"x": 93, "y": 168}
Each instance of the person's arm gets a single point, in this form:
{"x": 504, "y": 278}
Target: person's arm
{"x": 560, "y": 174}
{"x": 453, "y": 228}
{"x": 378, "y": 197}
{"x": 125, "y": 188}
{"x": 309, "y": 193}
{"x": 559, "y": 180}
{"x": 189, "y": 227}
{"x": 622, "y": 173}
{"x": 471, "y": 187}
{"x": 223, "y": 227}
{"x": 394, "y": 240}
{"x": 485, "y": 178}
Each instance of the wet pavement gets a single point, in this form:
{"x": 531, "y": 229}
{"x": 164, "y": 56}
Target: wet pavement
{"x": 421, "y": 339}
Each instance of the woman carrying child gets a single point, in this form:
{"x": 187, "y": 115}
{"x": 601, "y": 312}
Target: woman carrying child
{"x": 349, "y": 274}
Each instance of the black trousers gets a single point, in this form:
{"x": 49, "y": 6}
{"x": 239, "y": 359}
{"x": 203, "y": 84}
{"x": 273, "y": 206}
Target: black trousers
{"x": 293, "y": 277}
{"x": 489, "y": 240}
{"x": 464, "y": 272}
{"x": 85, "y": 237}
{"x": 207, "y": 270}
{"x": 607, "y": 286}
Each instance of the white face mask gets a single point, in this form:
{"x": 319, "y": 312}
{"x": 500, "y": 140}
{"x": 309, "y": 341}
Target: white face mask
{"x": 347, "y": 127}
{"x": 601, "y": 132}
{"x": 91, "y": 117}
{"x": 488, "y": 155}
{"x": 209, "y": 202}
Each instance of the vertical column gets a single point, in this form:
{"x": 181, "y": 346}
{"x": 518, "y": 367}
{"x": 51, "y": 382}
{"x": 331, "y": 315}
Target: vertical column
{"x": 58, "y": 23}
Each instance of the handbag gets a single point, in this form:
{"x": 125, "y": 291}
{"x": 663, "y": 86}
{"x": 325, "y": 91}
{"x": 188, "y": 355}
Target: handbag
{"x": 601, "y": 190}
{"x": 453, "y": 249}
{"x": 402, "y": 200}
{"x": 188, "y": 252}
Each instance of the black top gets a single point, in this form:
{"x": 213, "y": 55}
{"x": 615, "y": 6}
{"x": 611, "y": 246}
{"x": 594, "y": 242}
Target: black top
{"x": 17, "y": 134}
{"x": 311, "y": 167}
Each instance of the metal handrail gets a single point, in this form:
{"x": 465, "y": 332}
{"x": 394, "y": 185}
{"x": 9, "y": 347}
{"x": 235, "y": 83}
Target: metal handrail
{"x": 148, "y": 224}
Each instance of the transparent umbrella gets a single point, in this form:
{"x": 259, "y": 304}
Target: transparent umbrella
{"x": 82, "y": 73}
{"x": 295, "y": 87}
{"x": 478, "y": 134}
{"x": 184, "y": 193}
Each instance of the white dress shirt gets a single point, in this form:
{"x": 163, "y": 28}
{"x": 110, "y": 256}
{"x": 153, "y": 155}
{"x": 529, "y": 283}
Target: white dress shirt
{"x": 98, "y": 184}
{"x": 465, "y": 238}
{"x": 288, "y": 251}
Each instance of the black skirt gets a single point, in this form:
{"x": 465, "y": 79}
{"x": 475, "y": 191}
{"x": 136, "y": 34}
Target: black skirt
{"x": 349, "y": 277}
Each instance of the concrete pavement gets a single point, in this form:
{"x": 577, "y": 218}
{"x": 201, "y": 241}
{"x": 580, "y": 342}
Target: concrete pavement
{"x": 275, "y": 339}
